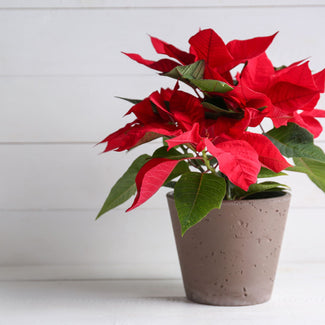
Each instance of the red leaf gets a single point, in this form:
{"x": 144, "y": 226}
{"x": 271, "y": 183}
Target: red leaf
{"x": 213, "y": 73}
{"x": 269, "y": 155}
{"x": 257, "y": 73}
{"x": 143, "y": 111}
{"x": 298, "y": 75}
{"x": 314, "y": 113}
{"x": 289, "y": 97}
{"x": 308, "y": 122}
{"x": 186, "y": 109}
{"x": 319, "y": 79}
{"x": 208, "y": 45}
{"x": 162, "y": 47}
{"x": 227, "y": 126}
{"x": 192, "y": 137}
{"x": 311, "y": 104}
{"x": 222, "y": 125}
{"x": 279, "y": 117}
{"x": 237, "y": 160}
{"x": 151, "y": 177}
{"x": 252, "y": 101}
{"x": 159, "y": 101}
{"x": 164, "y": 65}
{"x": 136, "y": 133}
{"x": 256, "y": 117}
{"x": 242, "y": 50}
{"x": 227, "y": 77}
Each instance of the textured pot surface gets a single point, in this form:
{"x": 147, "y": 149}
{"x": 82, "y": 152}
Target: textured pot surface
{"x": 230, "y": 257}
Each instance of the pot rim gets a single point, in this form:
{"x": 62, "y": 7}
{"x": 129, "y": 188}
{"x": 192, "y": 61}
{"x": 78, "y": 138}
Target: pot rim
{"x": 286, "y": 196}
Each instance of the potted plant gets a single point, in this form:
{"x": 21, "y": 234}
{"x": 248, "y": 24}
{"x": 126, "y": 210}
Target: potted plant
{"x": 228, "y": 220}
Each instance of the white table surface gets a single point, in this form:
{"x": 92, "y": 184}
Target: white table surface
{"x": 298, "y": 298}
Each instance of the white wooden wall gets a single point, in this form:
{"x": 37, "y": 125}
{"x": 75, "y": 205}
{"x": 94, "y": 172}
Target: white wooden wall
{"x": 60, "y": 68}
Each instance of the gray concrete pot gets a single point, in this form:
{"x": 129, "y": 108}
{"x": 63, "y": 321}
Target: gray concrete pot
{"x": 230, "y": 257}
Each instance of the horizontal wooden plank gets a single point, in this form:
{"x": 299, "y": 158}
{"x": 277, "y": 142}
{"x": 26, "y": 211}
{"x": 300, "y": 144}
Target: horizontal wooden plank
{"x": 74, "y": 176}
{"x": 77, "y": 4}
{"x": 74, "y": 238}
{"x": 84, "y": 272}
{"x": 61, "y": 176}
{"x": 73, "y": 109}
{"x": 88, "y": 42}
{"x": 64, "y": 244}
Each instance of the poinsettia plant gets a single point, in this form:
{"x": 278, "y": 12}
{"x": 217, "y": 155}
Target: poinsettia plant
{"x": 214, "y": 146}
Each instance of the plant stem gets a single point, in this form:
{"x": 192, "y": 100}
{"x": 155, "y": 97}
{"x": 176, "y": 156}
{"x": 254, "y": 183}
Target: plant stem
{"x": 207, "y": 162}
{"x": 198, "y": 95}
{"x": 183, "y": 148}
{"x": 193, "y": 162}
{"x": 262, "y": 128}
{"x": 228, "y": 184}
{"x": 228, "y": 191}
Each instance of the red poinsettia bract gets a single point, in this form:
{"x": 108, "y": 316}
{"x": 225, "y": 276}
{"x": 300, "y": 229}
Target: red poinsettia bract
{"x": 217, "y": 123}
{"x": 293, "y": 91}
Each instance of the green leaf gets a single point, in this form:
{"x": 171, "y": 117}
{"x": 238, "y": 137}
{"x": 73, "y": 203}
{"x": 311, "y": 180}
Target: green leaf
{"x": 209, "y": 85}
{"x": 172, "y": 153}
{"x": 218, "y": 111}
{"x": 258, "y": 188}
{"x": 194, "y": 70}
{"x": 164, "y": 140}
{"x": 280, "y": 68}
{"x": 295, "y": 141}
{"x": 194, "y": 73}
{"x": 125, "y": 187}
{"x": 180, "y": 169}
{"x": 265, "y": 173}
{"x": 191, "y": 71}
{"x": 170, "y": 184}
{"x": 133, "y": 101}
{"x": 196, "y": 195}
{"x": 216, "y": 108}
{"x": 315, "y": 170}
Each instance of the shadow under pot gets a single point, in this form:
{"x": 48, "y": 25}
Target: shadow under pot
{"x": 230, "y": 257}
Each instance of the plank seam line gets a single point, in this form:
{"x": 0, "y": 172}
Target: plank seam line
{"x": 119, "y": 209}
{"x": 93, "y": 143}
{"x": 257, "y": 6}
{"x": 28, "y": 143}
{"x": 117, "y": 75}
